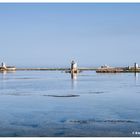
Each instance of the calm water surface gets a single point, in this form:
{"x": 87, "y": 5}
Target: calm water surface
{"x": 50, "y": 103}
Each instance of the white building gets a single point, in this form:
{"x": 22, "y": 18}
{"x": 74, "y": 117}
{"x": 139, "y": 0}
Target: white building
{"x": 136, "y": 65}
{"x": 73, "y": 65}
{"x": 3, "y": 65}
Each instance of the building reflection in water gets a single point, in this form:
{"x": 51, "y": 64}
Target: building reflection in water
{"x": 73, "y": 80}
{"x": 136, "y": 76}
{"x": 74, "y": 76}
{"x": 3, "y": 74}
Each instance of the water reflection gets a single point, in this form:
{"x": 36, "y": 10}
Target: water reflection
{"x": 73, "y": 80}
{"x": 3, "y": 74}
{"x": 136, "y": 76}
{"x": 74, "y": 76}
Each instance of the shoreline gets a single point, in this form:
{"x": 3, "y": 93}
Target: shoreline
{"x": 97, "y": 70}
{"x": 55, "y": 69}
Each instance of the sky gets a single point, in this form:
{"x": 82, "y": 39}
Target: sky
{"x": 53, "y": 34}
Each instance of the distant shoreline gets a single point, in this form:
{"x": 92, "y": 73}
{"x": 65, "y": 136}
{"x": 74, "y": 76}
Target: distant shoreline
{"x": 54, "y": 69}
{"x": 98, "y": 70}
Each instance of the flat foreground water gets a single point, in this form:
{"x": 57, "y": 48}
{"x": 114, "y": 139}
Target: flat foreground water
{"x": 50, "y": 103}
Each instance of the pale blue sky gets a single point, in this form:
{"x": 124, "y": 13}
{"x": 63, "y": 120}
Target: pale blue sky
{"x": 54, "y": 34}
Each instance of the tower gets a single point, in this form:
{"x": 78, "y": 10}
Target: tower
{"x": 3, "y": 65}
{"x": 74, "y": 68}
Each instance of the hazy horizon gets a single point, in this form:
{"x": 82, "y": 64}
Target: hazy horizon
{"x": 53, "y": 34}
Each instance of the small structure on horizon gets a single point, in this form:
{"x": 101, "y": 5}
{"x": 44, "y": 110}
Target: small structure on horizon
{"x": 136, "y": 66}
{"x": 105, "y": 66}
{"x": 3, "y": 65}
{"x": 74, "y": 68}
{"x": 107, "y": 69}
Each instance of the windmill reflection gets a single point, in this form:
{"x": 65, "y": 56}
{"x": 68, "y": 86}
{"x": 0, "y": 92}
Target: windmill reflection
{"x": 136, "y": 76}
{"x": 73, "y": 80}
{"x": 74, "y": 76}
{"x": 3, "y": 74}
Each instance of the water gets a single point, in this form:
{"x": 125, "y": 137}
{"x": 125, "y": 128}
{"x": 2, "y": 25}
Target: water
{"x": 50, "y": 103}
